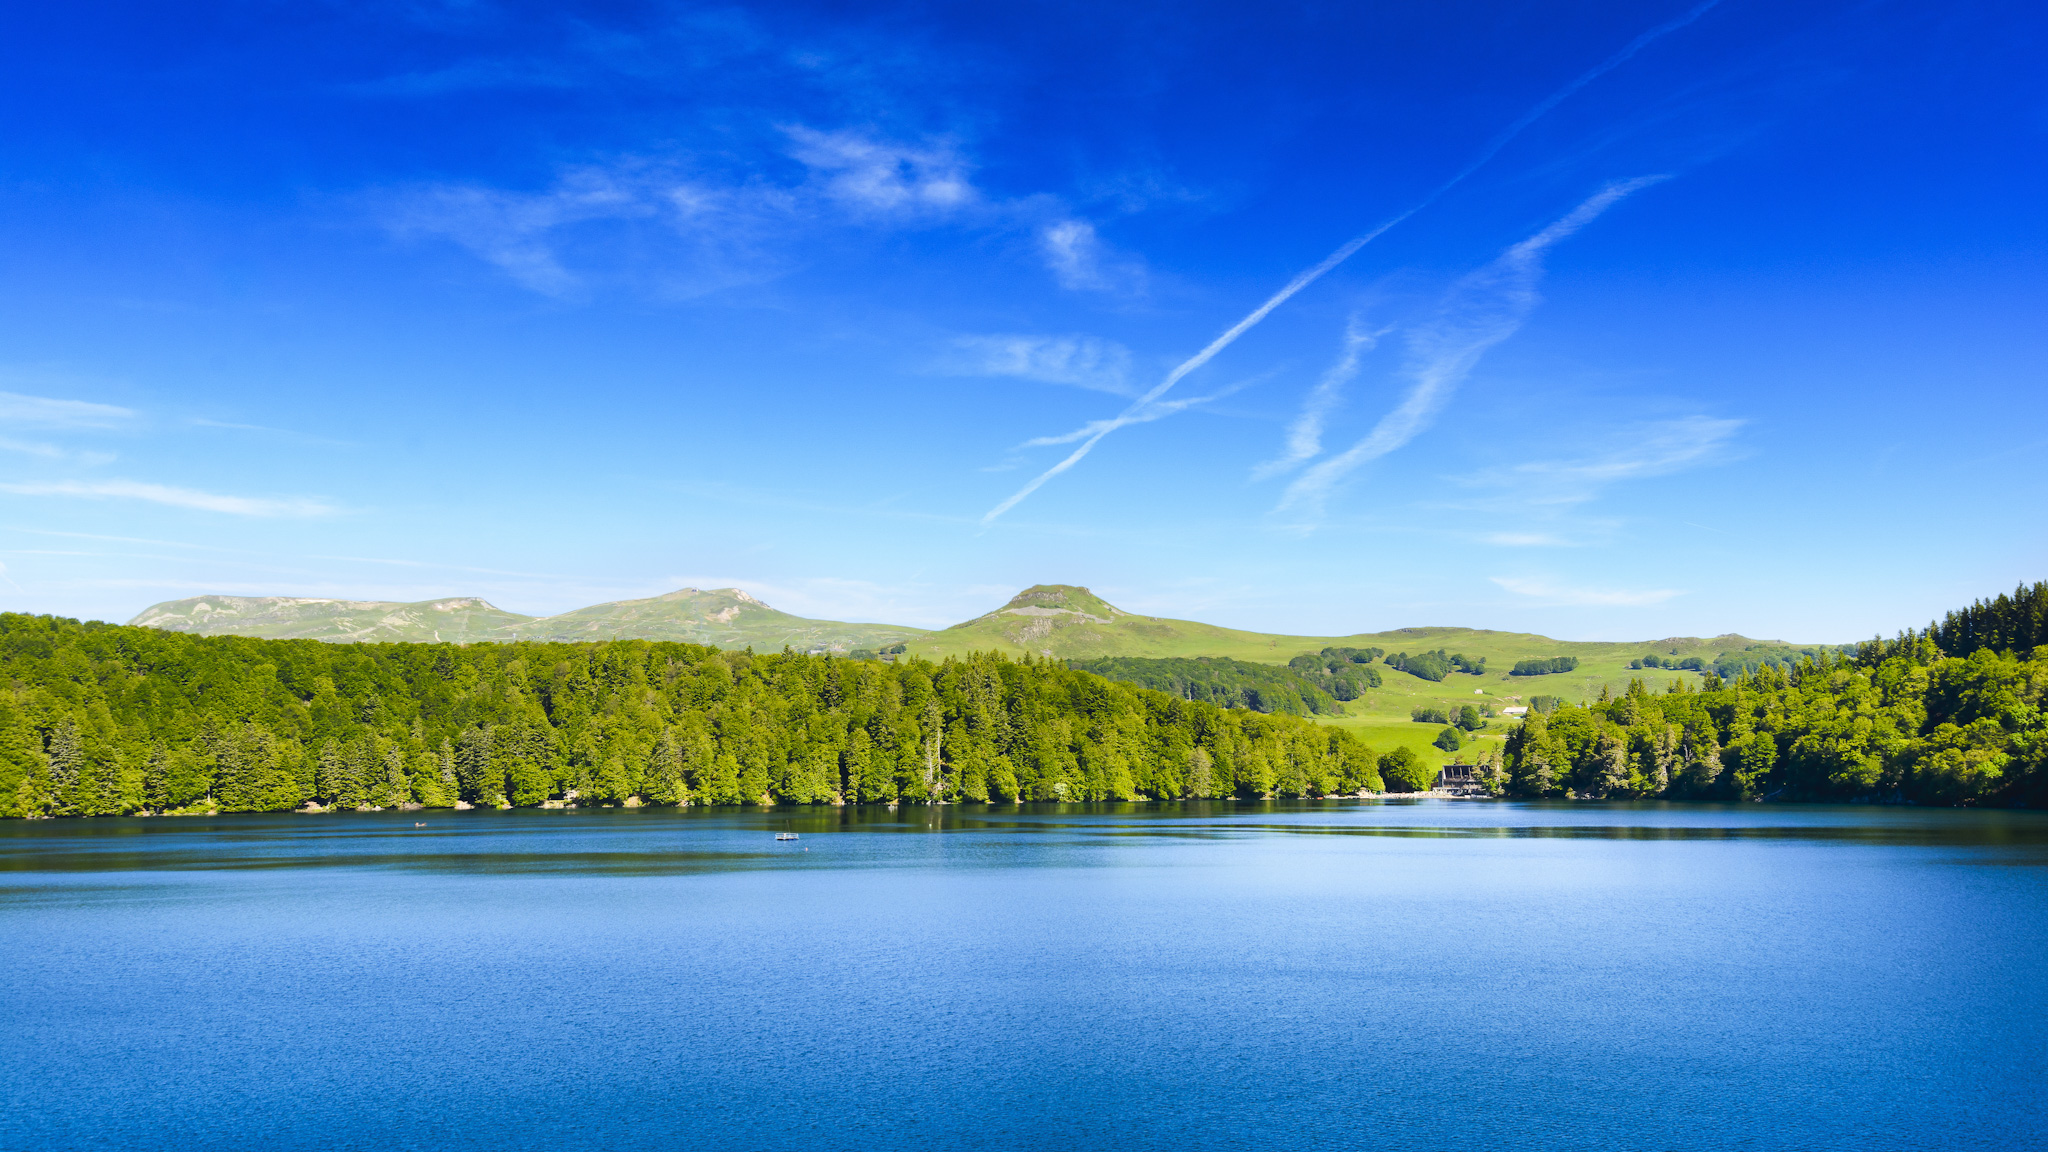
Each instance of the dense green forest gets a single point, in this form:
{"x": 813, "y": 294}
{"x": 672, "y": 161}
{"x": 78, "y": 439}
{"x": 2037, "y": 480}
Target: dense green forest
{"x": 1949, "y": 715}
{"x": 101, "y": 719}
{"x": 1228, "y": 683}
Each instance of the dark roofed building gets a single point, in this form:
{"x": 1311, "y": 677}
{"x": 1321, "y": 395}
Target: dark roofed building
{"x": 1458, "y": 778}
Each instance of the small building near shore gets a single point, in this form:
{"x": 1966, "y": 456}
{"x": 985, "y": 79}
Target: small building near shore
{"x": 1458, "y": 778}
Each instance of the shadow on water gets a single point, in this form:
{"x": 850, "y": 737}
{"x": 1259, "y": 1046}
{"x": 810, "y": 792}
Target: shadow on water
{"x": 669, "y": 841}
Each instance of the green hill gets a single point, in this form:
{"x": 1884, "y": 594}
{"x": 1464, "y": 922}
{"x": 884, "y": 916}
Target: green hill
{"x": 724, "y": 618}
{"x": 458, "y": 620}
{"x": 1071, "y": 623}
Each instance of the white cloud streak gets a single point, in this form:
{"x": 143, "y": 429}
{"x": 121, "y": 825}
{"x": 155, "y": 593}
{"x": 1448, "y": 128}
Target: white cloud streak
{"x": 1482, "y": 310}
{"x": 1158, "y": 411}
{"x": 514, "y": 230}
{"x": 851, "y": 176}
{"x": 1586, "y": 597}
{"x": 1656, "y": 449}
{"x": 1080, "y": 361}
{"x": 174, "y": 497}
{"x": 53, "y": 452}
{"x": 1080, "y": 261}
{"x": 44, "y": 412}
{"x": 1543, "y": 107}
{"x": 881, "y": 177}
{"x": 1491, "y": 149}
{"x": 1305, "y": 435}
{"x": 1131, "y": 415}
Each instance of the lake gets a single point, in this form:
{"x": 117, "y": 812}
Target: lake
{"x": 1338, "y": 974}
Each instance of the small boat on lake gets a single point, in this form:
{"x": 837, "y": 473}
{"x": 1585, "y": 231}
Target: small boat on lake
{"x": 787, "y": 833}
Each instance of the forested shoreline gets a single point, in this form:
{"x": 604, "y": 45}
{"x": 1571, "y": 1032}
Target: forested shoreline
{"x": 1947, "y": 716}
{"x": 103, "y": 719}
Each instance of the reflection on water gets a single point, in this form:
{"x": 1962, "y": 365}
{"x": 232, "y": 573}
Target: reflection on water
{"x": 641, "y": 842}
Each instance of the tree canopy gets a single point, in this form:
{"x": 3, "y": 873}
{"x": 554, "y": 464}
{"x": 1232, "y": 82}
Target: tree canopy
{"x": 1544, "y": 666}
{"x": 1899, "y": 721}
{"x": 1434, "y": 666}
{"x": 102, "y": 719}
{"x": 1297, "y": 690}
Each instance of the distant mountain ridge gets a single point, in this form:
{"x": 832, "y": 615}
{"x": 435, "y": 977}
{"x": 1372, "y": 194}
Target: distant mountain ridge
{"x": 721, "y": 617}
{"x": 1064, "y": 621}
{"x": 1070, "y": 622}
{"x": 456, "y": 619}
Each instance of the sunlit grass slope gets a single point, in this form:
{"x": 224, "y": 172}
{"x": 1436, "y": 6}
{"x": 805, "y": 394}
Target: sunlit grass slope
{"x": 1072, "y": 623}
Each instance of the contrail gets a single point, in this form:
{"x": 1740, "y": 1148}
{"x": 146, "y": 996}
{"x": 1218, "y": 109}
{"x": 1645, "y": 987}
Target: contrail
{"x": 1507, "y": 134}
{"x": 1485, "y": 309}
{"x": 1128, "y": 415}
{"x": 1305, "y": 437}
{"x": 1344, "y": 253}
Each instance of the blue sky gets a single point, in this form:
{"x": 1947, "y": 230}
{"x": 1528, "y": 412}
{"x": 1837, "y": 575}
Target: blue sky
{"x": 1668, "y": 319}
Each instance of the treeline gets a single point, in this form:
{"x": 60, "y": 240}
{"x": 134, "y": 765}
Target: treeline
{"x": 1544, "y": 666}
{"x": 1345, "y": 673}
{"x": 1904, "y": 721}
{"x": 1729, "y": 665}
{"x": 1436, "y": 665}
{"x": 1228, "y": 683}
{"x": 100, "y": 719}
{"x": 2015, "y": 623}
{"x": 1468, "y": 717}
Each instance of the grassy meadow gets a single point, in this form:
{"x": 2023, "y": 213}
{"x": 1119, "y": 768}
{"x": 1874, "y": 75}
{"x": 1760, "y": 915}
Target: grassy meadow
{"x": 1381, "y": 718}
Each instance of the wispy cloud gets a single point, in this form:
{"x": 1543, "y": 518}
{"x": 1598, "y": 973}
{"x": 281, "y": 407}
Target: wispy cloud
{"x": 45, "y": 412}
{"x": 1482, "y": 310}
{"x": 517, "y": 230}
{"x": 1348, "y": 249}
{"x": 721, "y": 228}
{"x": 53, "y": 452}
{"x": 1305, "y": 435}
{"x": 1526, "y": 540}
{"x": 1080, "y": 361}
{"x": 1080, "y": 261}
{"x": 174, "y": 497}
{"x": 1658, "y": 448}
{"x": 1586, "y": 597}
{"x": 1157, "y": 411}
{"x": 265, "y": 430}
{"x": 439, "y": 567}
{"x": 883, "y": 177}
{"x": 1543, "y": 107}
{"x": 1136, "y": 413}
{"x": 123, "y": 539}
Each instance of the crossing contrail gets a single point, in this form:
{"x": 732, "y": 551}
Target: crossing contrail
{"x": 1492, "y": 148}
{"x": 1484, "y": 309}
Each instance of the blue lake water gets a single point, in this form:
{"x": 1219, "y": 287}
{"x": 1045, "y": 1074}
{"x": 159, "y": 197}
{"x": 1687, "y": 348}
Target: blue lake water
{"x": 1427, "y": 975}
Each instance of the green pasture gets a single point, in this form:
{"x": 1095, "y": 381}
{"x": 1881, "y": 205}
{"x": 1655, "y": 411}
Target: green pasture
{"x": 1381, "y": 719}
